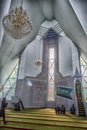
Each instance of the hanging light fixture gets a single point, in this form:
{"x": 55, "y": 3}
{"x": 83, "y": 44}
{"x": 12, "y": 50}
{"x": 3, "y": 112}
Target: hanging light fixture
{"x": 39, "y": 62}
{"x": 17, "y": 23}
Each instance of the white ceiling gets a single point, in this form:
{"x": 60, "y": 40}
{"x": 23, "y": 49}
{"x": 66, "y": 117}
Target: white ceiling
{"x": 71, "y": 15}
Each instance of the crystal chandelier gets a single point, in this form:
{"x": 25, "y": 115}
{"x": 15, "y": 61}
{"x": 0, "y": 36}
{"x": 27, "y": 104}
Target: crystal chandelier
{"x": 17, "y": 23}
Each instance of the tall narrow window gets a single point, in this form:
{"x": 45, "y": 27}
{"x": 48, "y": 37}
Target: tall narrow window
{"x": 51, "y": 67}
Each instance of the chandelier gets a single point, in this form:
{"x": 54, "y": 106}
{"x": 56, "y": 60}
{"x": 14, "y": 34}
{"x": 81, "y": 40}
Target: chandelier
{"x": 17, "y": 23}
{"x": 38, "y": 61}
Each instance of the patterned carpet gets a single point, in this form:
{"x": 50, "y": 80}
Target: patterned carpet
{"x": 42, "y": 119}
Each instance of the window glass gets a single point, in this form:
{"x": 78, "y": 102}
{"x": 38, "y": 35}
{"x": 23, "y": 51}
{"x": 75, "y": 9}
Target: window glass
{"x": 51, "y": 66}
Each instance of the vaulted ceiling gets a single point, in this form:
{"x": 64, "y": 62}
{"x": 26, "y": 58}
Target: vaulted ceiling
{"x": 71, "y": 15}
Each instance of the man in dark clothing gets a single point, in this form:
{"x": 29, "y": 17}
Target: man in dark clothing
{"x": 2, "y": 111}
{"x": 72, "y": 109}
{"x": 57, "y": 109}
{"x": 63, "y": 109}
{"x": 17, "y": 107}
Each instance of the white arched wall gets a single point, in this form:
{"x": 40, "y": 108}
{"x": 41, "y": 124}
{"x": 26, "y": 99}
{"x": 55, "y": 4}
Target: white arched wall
{"x": 65, "y": 56}
{"x": 28, "y": 72}
{"x": 68, "y": 57}
{"x": 27, "y": 63}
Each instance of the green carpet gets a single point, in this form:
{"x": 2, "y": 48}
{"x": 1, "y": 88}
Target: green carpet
{"x": 42, "y": 119}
